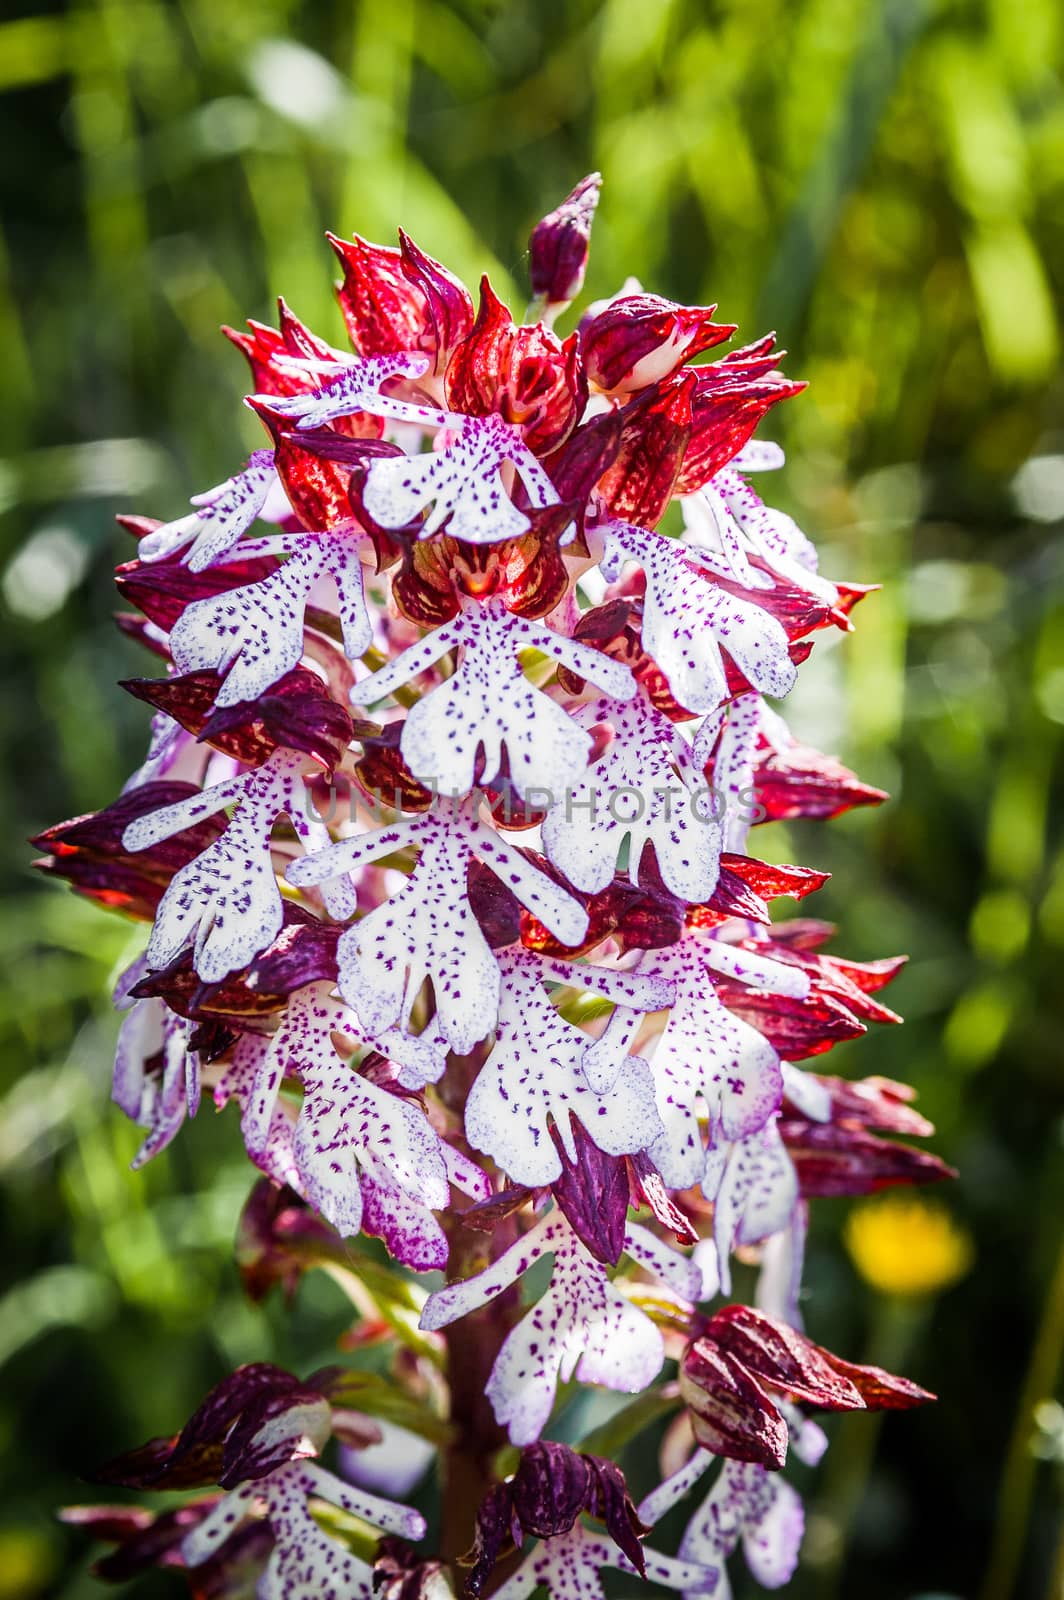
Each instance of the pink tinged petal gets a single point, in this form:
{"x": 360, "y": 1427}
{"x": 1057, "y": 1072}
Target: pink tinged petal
{"x": 157, "y": 1100}
{"x": 533, "y": 1078}
{"x": 355, "y": 387}
{"x": 754, "y": 1188}
{"x": 271, "y": 1146}
{"x": 489, "y": 706}
{"x": 463, "y": 483}
{"x": 226, "y": 901}
{"x": 225, "y": 513}
{"x": 645, "y": 790}
{"x": 706, "y": 1057}
{"x": 687, "y": 621}
{"x": 409, "y": 1231}
{"x": 348, "y": 1124}
{"x": 255, "y": 635}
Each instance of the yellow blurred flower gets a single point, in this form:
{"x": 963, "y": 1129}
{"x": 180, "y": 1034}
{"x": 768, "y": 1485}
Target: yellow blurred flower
{"x": 904, "y": 1246}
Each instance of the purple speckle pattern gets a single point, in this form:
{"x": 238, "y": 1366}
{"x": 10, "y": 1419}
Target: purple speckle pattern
{"x": 427, "y": 929}
{"x": 757, "y": 1508}
{"x": 462, "y": 483}
{"x": 254, "y": 635}
{"x": 569, "y": 1566}
{"x": 224, "y": 515}
{"x": 583, "y": 1324}
{"x": 305, "y": 1564}
{"x": 348, "y": 1127}
{"x": 226, "y": 902}
{"x": 687, "y": 621}
{"x": 754, "y": 1189}
{"x": 355, "y": 385}
{"x": 534, "y": 1078}
{"x": 488, "y": 706}
{"x": 646, "y": 790}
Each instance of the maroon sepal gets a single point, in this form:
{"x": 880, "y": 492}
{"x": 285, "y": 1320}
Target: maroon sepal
{"x": 731, "y": 397}
{"x": 297, "y": 712}
{"x": 221, "y": 1442}
{"x": 152, "y": 1539}
{"x": 729, "y": 1411}
{"x": 89, "y": 853}
{"x": 639, "y": 917}
{"x": 796, "y": 1029}
{"x": 486, "y": 1215}
{"x": 278, "y": 1238}
{"x": 558, "y": 247}
{"x": 448, "y": 304}
{"x": 316, "y": 486}
{"x": 593, "y": 1192}
{"x": 384, "y": 308}
{"x": 640, "y": 339}
{"x": 164, "y": 589}
{"x": 799, "y": 781}
{"x": 656, "y": 427}
{"x": 269, "y": 352}
{"x": 384, "y": 776}
{"x": 139, "y": 527}
{"x": 552, "y": 1486}
{"x": 495, "y": 906}
{"x": 303, "y": 952}
{"x": 647, "y": 1188}
{"x": 745, "y": 885}
{"x": 743, "y": 1361}
{"x": 140, "y": 630}
{"x": 833, "y": 1159}
{"x": 524, "y": 374}
{"x": 878, "y": 1103}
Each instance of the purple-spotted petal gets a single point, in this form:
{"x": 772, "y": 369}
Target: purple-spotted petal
{"x": 488, "y": 706}
{"x": 534, "y": 1078}
{"x": 226, "y": 902}
{"x": 462, "y": 482}
{"x": 644, "y": 791}
{"x": 224, "y": 514}
{"x": 705, "y": 1057}
{"x": 355, "y": 386}
{"x": 427, "y": 929}
{"x": 306, "y": 1564}
{"x": 255, "y": 635}
{"x": 688, "y": 620}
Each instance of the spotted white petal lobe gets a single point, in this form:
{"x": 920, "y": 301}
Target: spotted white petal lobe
{"x": 255, "y": 635}
{"x": 224, "y": 514}
{"x": 687, "y": 621}
{"x": 462, "y": 482}
{"x": 643, "y": 792}
{"x": 533, "y": 1080}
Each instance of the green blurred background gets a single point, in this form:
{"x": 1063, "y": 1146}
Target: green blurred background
{"x": 881, "y": 182}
